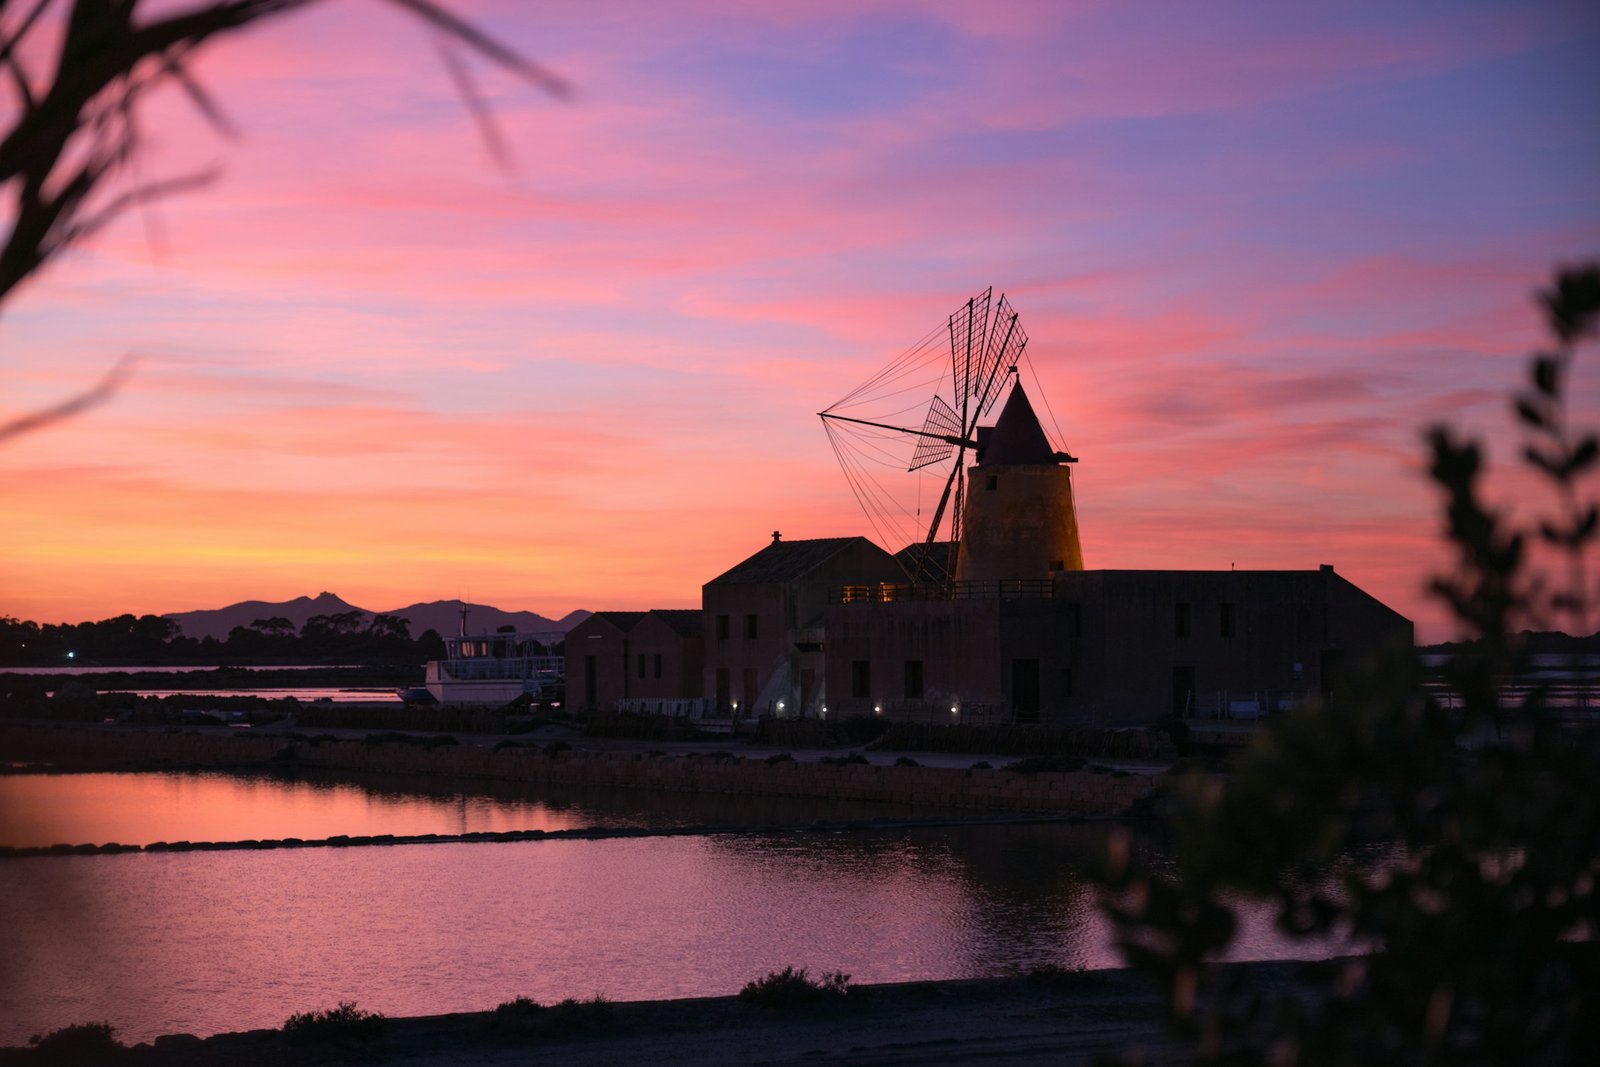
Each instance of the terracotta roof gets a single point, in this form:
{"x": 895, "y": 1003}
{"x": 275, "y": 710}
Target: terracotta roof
{"x": 1017, "y": 437}
{"x": 786, "y": 561}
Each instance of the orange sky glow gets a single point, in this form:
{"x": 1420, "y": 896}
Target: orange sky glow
{"x": 1257, "y": 249}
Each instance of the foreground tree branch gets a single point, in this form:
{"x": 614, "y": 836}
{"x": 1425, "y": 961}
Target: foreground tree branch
{"x": 74, "y": 132}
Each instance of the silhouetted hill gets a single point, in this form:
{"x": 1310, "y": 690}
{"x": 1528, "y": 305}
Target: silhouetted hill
{"x": 1533, "y": 642}
{"x": 445, "y": 617}
{"x": 441, "y": 615}
{"x": 218, "y": 622}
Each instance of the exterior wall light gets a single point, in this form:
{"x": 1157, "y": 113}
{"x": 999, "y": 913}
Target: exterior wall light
{"x": 780, "y": 707}
{"x": 877, "y": 709}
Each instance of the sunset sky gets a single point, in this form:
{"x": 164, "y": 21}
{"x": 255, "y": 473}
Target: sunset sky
{"x": 1257, "y": 248}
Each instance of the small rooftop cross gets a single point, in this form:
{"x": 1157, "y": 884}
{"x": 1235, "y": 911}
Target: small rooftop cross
{"x": 777, "y": 535}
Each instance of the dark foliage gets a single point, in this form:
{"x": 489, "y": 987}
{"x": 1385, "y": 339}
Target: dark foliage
{"x": 578, "y": 1016}
{"x": 346, "y": 1023}
{"x": 791, "y": 988}
{"x": 79, "y": 73}
{"x": 81, "y": 1043}
{"x": 1482, "y": 912}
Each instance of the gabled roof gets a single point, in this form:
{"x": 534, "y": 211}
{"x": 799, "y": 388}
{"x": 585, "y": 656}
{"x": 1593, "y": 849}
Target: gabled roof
{"x": 622, "y": 620}
{"x": 786, "y": 561}
{"x": 686, "y": 622}
{"x": 1017, "y": 437}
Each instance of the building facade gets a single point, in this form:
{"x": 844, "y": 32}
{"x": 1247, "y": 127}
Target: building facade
{"x": 1102, "y": 646}
{"x": 763, "y": 622}
{"x": 615, "y": 657}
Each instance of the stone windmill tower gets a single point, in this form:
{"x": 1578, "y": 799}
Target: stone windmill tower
{"x": 1019, "y": 519}
{"x": 1008, "y": 516}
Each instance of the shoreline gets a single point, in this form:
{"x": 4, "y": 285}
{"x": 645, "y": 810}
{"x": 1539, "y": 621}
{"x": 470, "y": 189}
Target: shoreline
{"x": 1049, "y": 1017}
{"x": 1092, "y": 789}
{"x": 582, "y": 833}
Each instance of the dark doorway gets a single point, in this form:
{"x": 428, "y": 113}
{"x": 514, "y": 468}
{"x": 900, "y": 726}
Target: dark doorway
{"x": 1183, "y": 691}
{"x": 1025, "y": 690}
{"x": 724, "y": 689}
{"x": 588, "y": 681}
{"x": 1332, "y": 673}
{"x": 750, "y": 690}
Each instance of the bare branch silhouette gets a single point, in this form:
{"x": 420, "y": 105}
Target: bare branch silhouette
{"x": 102, "y": 391}
{"x": 72, "y": 133}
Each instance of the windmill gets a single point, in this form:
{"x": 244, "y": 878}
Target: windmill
{"x": 964, "y": 365}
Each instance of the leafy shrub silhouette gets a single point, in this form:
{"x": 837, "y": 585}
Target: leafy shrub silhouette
{"x": 1486, "y": 907}
{"x": 790, "y": 988}
{"x": 573, "y": 1016}
{"x": 343, "y": 1023}
{"x": 79, "y": 1043}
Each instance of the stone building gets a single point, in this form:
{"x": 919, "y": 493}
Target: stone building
{"x": 1025, "y": 634}
{"x": 1103, "y": 646}
{"x": 628, "y": 656}
{"x": 763, "y": 622}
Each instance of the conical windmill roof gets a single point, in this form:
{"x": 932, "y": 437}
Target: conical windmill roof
{"x": 1017, "y": 437}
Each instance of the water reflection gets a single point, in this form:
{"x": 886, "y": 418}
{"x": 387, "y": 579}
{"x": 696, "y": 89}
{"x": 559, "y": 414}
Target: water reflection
{"x": 209, "y": 941}
{"x": 204, "y": 942}
{"x": 137, "y": 809}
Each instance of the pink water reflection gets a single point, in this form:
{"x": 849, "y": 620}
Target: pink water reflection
{"x": 137, "y": 809}
{"x": 205, "y": 942}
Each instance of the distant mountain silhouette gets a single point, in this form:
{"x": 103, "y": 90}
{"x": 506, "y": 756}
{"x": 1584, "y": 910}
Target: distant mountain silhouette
{"x": 441, "y": 615}
{"x": 445, "y": 617}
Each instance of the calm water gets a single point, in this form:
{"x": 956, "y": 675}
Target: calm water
{"x": 204, "y": 942}
{"x": 138, "y": 809}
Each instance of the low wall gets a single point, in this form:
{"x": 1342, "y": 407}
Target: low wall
{"x": 1077, "y": 793}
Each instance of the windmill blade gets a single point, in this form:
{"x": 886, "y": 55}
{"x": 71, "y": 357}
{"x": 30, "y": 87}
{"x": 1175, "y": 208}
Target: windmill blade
{"x": 1003, "y": 348}
{"x": 969, "y": 332}
{"x": 942, "y": 421}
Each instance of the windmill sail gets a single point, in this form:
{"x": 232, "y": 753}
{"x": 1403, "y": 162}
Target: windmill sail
{"x": 934, "y": 393}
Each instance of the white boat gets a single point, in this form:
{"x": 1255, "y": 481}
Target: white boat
{"x": 495, "y": 669}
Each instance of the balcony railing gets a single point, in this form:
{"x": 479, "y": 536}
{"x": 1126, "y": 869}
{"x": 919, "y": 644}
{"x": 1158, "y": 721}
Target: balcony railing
{"x": 998, "y": 589}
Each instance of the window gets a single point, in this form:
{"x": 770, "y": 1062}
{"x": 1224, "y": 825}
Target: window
{"x": 1225, "y": 620}
{"x": 1057, "y": 565}
{"x": 1066, "y": 681}
{"x": 914, "y": 678}
{"x": 860, "y": 678}
{"x": 1180, "y": 620}
{"x": 722, "y": 627}
{"x": 658, "y": 664}
{"x": 992, "y": 482}
{"x": 749, "y": 627}
{"x": 641, "y": 664}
